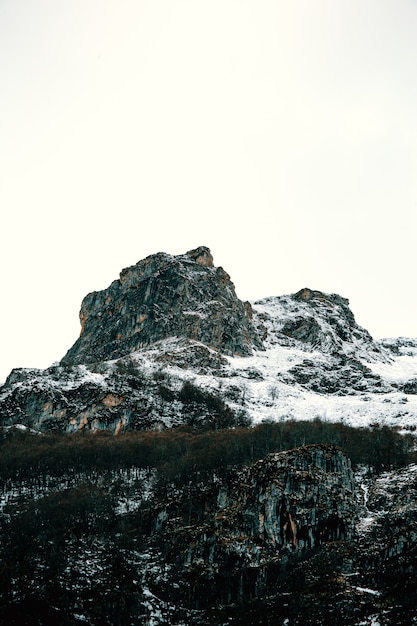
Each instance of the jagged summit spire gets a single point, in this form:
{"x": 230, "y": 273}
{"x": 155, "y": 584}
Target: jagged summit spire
{"x": 164, "y": 296}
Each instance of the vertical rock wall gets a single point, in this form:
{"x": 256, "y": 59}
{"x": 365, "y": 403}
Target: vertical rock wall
{"x": 281, "y": 507}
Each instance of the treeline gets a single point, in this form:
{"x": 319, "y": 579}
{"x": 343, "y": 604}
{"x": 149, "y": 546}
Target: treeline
{"x": 179, "y": 453}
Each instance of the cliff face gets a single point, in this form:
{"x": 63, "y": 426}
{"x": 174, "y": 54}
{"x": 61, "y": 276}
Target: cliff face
{"x": 300, "y": 499}
{"x": 87, "y": 537}
{"x": 129, "y": 394}
{"x": 164, "y": 296}
{"x": 255, "y": 519}
{"x": 130, "y": 547}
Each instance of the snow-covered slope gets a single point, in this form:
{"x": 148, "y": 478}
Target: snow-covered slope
{"x": 318, "y": 363}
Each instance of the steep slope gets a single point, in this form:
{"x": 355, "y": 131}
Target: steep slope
{"x": 318, "y": 362}
{"x": 237, "y": 546}
{"x": 318, "y": 321}
{"x": 192, "y": 550}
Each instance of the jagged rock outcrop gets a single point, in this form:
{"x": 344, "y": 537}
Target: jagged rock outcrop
{"x": 254, "y": 519}
{"x": 164, "y": 296}
{"x": 319, "y": 321}
{"x": 299, "y": 498}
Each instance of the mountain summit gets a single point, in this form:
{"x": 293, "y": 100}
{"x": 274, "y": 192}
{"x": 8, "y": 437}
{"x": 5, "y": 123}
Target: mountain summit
{"x": 164, "y": 296}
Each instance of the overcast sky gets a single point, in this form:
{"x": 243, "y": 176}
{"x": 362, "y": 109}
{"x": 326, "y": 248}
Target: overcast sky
{"x": 281, "y": 134}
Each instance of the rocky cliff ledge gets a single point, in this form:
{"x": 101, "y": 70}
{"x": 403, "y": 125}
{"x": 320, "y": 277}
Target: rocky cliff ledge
{"x": 250, "y": 523}
{"x": 164, "y": 296}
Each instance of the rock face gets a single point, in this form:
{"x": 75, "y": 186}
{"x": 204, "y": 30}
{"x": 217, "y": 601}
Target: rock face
{"x": 293, "y": 538}
{"x": 164, "y": 296}
{"x": 300, "y": 498}
{"x": 181, "y": 553}
{"x": 284, "y": 505}
{"x": 130, "y": 394}
{"x": 230, "y": 540}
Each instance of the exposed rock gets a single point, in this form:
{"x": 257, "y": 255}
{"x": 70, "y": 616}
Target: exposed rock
{"x": 297, "y": 498}
{"x": 339, "y": 351}
{"x": 306, "y": 330}
{"x": 128, "y": 394}
{"x": 254, "y": 519}
{"x": 385, "y": 548}
{"x": 324, "y": 321}
{"x": 410, "y": 387}
{"x": 160, "y": 297}
{"x": 404, "y": 346}
{"x": 340, "y": 375}
{"x": 284, "y": 540}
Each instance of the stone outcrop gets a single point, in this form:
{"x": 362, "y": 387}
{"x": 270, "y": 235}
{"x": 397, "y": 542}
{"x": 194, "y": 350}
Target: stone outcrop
{"x": 125, "y": 395}
{"x": 301, "y": 498}
{"x": 160, "y": 297}
{"x": 323, "y": 324}
{"x": 254, "y": 520}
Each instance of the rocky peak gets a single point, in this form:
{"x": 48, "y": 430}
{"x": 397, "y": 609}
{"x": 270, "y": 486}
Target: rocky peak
{"x": 339, "y": 352}
{"x": 315, "y": 297}
{"x": 169, "y": 320}
{"x": 319, "y": 321}
{"x": 164, "y": 296}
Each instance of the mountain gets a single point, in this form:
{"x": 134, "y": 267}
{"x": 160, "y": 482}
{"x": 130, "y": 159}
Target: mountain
{"x": 198, "y": 460}
{"x": 170, "y": 321}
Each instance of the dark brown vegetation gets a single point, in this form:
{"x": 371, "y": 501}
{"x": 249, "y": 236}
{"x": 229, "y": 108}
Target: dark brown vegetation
{"x": 179, "y": 453}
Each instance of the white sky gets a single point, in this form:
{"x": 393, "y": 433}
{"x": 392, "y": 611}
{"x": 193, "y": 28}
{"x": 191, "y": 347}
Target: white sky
{"x": 281, "y": 134}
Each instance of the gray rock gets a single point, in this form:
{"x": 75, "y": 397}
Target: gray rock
{"x": 283, "y": 506}
{"x": 298, "y": 499}
{"x": 164, "y": 296}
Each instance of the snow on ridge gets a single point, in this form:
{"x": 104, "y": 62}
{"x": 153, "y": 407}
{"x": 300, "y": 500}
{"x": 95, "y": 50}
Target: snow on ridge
{"x": 262, "y": 384}
{"x": 258, "y": 384}
{"x": 404, "y": 346}
{"x": 335, "y": 325}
